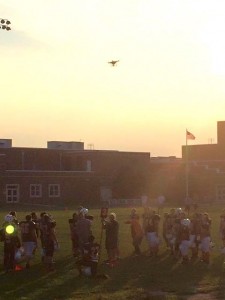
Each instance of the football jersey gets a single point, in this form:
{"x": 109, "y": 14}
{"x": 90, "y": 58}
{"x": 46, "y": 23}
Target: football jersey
{"x": 28, "y": 231}
{"x": 91, "y": 252}
{"x": 47, "y": 229}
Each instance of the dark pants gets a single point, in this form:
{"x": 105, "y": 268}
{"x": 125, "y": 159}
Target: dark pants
{"x": 75, "y": 246}
{"x": 49, "y": 247}
{"x": 136, "y": 243}
{"x": 9, "y": 256}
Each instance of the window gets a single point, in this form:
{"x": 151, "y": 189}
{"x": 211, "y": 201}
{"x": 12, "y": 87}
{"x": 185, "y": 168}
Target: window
{"x": 54, "y": 190}
{"x": 12, "y": 193}
{"x": 35, "y": 190}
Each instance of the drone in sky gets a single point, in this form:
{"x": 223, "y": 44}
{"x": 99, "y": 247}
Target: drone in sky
{"x": 113, "y": 62}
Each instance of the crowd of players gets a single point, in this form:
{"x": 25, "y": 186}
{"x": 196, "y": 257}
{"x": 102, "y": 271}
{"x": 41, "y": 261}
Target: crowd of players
{"x": 21, "y": 240}
{"x": 187, "y": 236}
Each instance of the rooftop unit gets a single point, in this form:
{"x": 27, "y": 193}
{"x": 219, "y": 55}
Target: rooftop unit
{"x": 5, "y": 143}
{"x": 65, "y": 145}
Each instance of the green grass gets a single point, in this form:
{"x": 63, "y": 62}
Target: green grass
{"x": 134, "y": 278}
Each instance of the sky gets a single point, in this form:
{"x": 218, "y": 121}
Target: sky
{"x": 56, "y": 83}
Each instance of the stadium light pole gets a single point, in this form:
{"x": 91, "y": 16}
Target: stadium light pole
{"x": 4, "y": 24}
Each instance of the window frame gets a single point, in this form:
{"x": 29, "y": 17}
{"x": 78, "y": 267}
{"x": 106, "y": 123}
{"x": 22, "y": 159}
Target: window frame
{"x": 15, "y": 187}
{"x": 54, "y": 194}
{"x": 38, "y": 187}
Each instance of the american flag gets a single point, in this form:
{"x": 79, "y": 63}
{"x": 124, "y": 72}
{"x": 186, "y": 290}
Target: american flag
{"x": 189, "y": 135}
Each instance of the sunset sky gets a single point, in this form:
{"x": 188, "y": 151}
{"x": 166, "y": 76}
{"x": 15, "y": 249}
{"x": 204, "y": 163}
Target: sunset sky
{"x": 56, "y": 83}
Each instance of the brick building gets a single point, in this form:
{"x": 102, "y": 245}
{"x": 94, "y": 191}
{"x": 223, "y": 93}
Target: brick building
{"x": 207, "y": 168}
{"x": 166, "y": 177}
{"x": 65, "y": 173}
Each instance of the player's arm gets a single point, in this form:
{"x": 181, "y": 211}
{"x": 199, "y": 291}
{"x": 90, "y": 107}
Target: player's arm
{"x": 35, "y": 236}
{"x": 54, "y": 236}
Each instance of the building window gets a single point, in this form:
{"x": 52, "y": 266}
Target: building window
{"x": 35, "y": 190}
{"x": 12, "y": 193}
{"x": 221, "y": 193}
{"x": 54, "y": 190}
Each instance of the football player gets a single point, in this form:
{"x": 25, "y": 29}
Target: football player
{"x": 28, "y": 238}
{"x": 9, "y": 235}
{"x": 50, "y": 242}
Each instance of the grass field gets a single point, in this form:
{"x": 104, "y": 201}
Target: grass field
{"x": 134, "y": 278}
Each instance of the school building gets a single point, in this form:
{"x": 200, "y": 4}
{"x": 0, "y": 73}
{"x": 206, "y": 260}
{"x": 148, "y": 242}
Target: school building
{"x": 65, "y": 173}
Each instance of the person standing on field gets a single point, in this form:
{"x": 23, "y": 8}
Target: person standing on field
{"x": 136, "y": 231}
{"x": 28, "y": 238}
{"x": 205, "y": 238}
{"x": 11, "y": 243}
{"x": 111, "y": 227}
{"x": 50, "y": 242}
{"x": 73, "y": 234}
{"x": 83, "y": 230}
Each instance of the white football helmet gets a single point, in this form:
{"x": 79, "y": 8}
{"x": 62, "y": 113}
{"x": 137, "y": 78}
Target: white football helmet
{"x": 84, "y": 211}
{"x": 179, "y": 210}
{"x": 186, "y": 222}
{"x": 9, "y": 218}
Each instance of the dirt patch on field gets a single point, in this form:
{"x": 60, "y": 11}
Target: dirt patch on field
{"x": 201, "y": 297}
{"x": 156, "y": 295}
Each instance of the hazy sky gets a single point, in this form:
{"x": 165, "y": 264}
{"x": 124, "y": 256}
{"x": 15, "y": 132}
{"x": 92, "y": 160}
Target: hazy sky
{"x": 56, "y": 83}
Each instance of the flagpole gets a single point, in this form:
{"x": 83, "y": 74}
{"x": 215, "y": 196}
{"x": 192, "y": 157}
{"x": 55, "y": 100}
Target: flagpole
{"x": 189, "y": 136}
{"x": 187, "y": 169}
